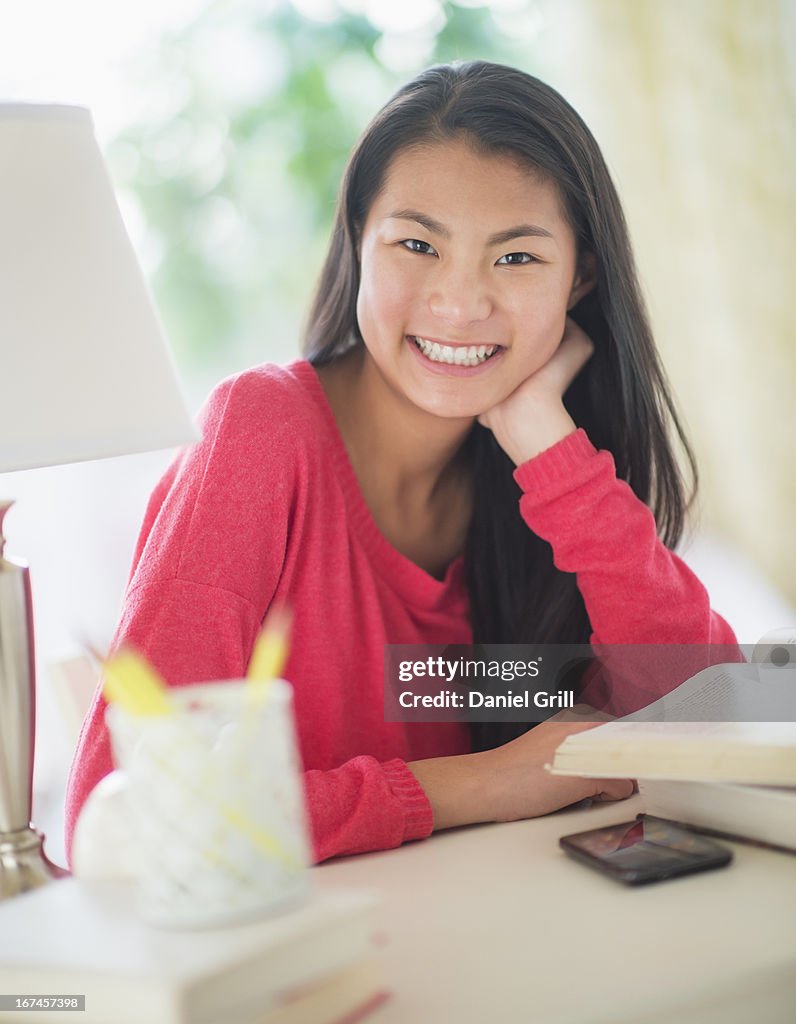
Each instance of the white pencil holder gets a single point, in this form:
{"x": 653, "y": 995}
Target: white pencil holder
{"x": 216, "y": 798}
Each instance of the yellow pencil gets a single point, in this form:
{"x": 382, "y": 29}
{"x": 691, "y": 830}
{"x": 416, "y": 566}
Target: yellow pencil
{"x": 270, "y": 651}
{"x": 133, "y": 684}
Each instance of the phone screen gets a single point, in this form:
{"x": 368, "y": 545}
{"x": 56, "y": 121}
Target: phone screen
{"x": 645, "y": 850}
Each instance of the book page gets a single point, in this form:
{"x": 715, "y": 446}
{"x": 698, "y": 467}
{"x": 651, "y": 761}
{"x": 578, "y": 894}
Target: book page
{"x": 715, "y": 693}
{"x": 740, "y": 692}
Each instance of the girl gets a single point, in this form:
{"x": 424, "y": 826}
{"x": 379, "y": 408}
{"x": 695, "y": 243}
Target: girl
{"x": 419, "y": 478}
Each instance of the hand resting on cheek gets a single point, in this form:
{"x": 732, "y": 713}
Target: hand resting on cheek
{"x": 533, "y": 418}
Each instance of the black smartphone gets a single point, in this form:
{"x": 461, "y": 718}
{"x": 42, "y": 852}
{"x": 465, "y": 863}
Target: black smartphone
{"x": 645, "y": 850}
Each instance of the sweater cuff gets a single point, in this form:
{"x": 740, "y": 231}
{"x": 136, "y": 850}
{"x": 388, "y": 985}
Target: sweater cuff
{"x": 418, "y": 815}
{"x": 561, "y": 460}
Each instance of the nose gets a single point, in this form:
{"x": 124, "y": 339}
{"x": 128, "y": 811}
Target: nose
{"x": 459, "y": 296}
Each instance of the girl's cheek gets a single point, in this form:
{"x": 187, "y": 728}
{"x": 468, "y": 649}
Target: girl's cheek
{"x": 382, "y": 291}
{"x": 541, "y": 338}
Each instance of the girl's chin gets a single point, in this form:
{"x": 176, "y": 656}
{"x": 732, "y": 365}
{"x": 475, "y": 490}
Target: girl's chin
{"x": 448, "y": 408}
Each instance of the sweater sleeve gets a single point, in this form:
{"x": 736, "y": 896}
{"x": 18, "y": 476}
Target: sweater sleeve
{"x": 204, "y": 573}
{"x": 635, "y": 589}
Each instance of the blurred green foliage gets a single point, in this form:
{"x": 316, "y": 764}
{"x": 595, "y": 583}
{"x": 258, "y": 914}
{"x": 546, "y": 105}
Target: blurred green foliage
{"x": 247, "y": 117}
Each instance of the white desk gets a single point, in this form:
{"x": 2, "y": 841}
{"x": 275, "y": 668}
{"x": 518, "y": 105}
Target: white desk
{"x": 495, "y": 923}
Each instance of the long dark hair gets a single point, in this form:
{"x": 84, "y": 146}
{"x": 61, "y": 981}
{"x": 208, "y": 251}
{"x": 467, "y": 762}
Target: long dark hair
{"x": 516, "y": 593}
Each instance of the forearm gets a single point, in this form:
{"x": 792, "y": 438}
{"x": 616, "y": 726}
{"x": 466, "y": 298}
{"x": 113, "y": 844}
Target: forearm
{"x": 461, "y": 788}
{"x": 510, "y": 782}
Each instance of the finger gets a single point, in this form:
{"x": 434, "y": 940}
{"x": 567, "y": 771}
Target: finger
{"x": 576, "y": 345}
{"x": 615, "y": 789}
{"x": 570, "y": 357}
{"x": 570, "y": 725}
{"x": 582, "y": 713}
{"x": 572, "y": 329}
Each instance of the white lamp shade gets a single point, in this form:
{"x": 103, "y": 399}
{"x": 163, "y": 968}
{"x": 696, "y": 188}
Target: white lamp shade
{"x": 84, "y": 368}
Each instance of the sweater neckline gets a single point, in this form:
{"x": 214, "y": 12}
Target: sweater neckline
{"x": 415, "y": 585}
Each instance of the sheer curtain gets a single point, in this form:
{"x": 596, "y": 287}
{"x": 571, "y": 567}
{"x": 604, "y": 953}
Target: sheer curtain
{"x": 695, "y": 107}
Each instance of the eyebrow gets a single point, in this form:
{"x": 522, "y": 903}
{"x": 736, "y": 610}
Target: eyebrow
{"x": 499, "y": 238}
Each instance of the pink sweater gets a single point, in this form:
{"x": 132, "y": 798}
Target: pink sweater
{"x": 267, "y": 507}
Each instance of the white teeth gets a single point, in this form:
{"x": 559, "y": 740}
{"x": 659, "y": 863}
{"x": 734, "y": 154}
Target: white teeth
{"x": 462, "y": 355}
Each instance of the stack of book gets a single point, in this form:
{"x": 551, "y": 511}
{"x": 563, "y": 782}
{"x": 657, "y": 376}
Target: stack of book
{"x": 730, "y": 778}
{"x": 315, "y": 964}
{"x": 764, "y": 814}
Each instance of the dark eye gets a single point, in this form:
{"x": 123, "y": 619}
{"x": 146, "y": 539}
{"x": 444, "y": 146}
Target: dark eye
{"x": 415, "y": 245}
{"x": 516, "y": 259}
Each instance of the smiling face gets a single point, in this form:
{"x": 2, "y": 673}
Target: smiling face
{"x": 468, "y": 268}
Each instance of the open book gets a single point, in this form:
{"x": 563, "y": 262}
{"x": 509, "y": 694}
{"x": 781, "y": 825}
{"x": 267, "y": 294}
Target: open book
{"x": 731, "y": 723}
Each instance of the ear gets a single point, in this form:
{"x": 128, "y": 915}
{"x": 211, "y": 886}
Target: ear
{"x": 585, "y": 278}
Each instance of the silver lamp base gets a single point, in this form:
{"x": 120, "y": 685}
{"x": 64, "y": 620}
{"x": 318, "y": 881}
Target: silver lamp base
{"x": 24, "y": 864}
